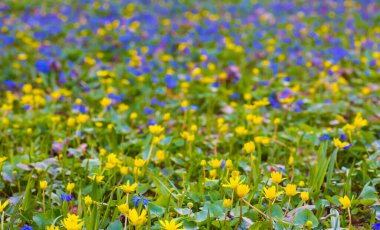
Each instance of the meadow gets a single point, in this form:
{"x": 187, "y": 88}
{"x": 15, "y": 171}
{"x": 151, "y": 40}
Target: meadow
{"x": 189, "y": 114}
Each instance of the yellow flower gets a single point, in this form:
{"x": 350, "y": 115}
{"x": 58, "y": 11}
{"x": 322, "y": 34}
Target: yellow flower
{"x": 133, "y": 116}
{"x": 262, "y": 140}
{"x": 52, "y": 227}
{"x": 139, "y": 163}
{"x": 309, "y": 223}
{"x": 345, "y": 201}
{"x": 242, "y": 190}
{"x": 70, "y": 122}
{"x": 291, "y": 189}
{"x": 348, "y": 128}
{"x": 277, "y": 177}
{"x": 277, "y": 121}
{"x": 72, "y": 222}
{"x": 156, "y": 129}
{"x": 105, "y": 102}
{"x": 215, "y": 163}
{"x": 271, "y": 193}
{"x": 203, "y": 163}
{"x": 96, "y": 178}
{"x": 136, "y": 219}
{"x": 228, "y": 164}
{"x": 160, "y": 154}
{"x": 340, "y": 144}
{"x": 128, "y": 188}
{"x": 70, "y": 187}
{"x": 2, "y": 159}
{"x": 123, "y": 170}
{"x": 170, "y": 225}
{"x": 359, "y": 121}
{"x": 88, "y": 200}
{"x": 249, "y": 147}
{"x": 166, "y": 116}
{"x": 3, "y": 205}
{"x": 241, "y": 131}
{"x": 304, "y": 196}
{"x": 227, "y": 203}
{"x": 123, "y": 208}
{"x": 233, "y": 183}
{"x": 43, "y": 184}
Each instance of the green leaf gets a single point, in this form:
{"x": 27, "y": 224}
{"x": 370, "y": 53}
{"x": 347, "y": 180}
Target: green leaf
{"x": 304, "y": 216}
{"x": 116, "y": 225}
{"x": 156, "y": 210}
{"x": 276, "y": 211}
{"x": 201, "y": 216}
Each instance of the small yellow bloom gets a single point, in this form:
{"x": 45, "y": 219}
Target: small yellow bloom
{"x": 123, "y": 208}
{"x": 3, "y": 205}
{"x": 271, "y": 193}
{"x": 133, "y": 116}
{"x": 345, "y": 201}
{"x": 340, "y": 144}
{"x": 70, "y": 187}
{"x": 96, "y": 178}
{"x": 304, "y": 196}
{"x": 309, "y": 223}
{"x": 291, "y": 189}
{"x": 241, "y": 131}
{"x": 139, "y": 163}
{"x": 88, "y": 200}
{"x": 160, "y": 154}
{"x": 277, "y": 177}
{"x": 242, "y": 190}
{"x": 203, "y": 163}
{"x": 171, "y": 225}
{"x": 228, "y": 164}
{"x": 72, "y": 222}
{"x": 249, "y": 147}
{"x": 227, "y": 203}
{"x": 155, "y": 129}
{"x": 43, "y": 184}
{"x": 52, "y": 227}
{"x": 359, "y": 121}
{"x": 136, "y": 219}
{"x": 233, "y": 182}
{"x": 215, "y": 163}
{"x": 128, "y": 188}
{"x": 123, "y": 170}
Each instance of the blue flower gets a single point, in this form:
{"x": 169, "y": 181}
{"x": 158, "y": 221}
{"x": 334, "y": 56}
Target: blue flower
{"x": 376, "y": 226}
{"x": 347, "y": 147}
{"x": 325, "y": 137}
{"x": 43, "y": 66}
{"x": 137, "y": 199}
{"x": 223, "y": 164}
{"x": 343, "y": 137}
{"x": 65, "y": 197}
{"x": 26, "y": 227}
{"x": 148, "y": 110}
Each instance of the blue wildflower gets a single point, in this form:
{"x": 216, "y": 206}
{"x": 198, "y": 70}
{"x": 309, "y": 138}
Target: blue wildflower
{"x": 376, "y": 226}
{"x": 325, "y": 137}
{"x": 137, "y": 199}
{"x": 26, "y": 227}
{"x": 148, "y": 111}
{"x": 43, "y": 66}
{"x": 65, "y": 197}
